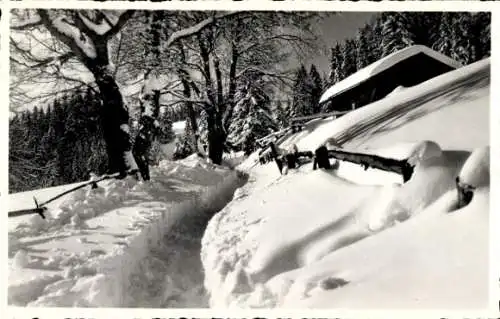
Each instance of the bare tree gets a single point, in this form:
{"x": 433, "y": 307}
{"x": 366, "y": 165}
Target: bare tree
{"x": 85, "y": 37}
{"x": 233, "y": 49}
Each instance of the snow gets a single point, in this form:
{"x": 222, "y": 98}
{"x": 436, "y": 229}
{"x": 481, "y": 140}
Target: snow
{"x": 348, "y": 238}
{"x": 99, "y": 28}
{"x": 355, "y": 239}
{"x": 114, "y": 246}
{"x": 382, "y": 65}
{"x": 179, "y": 127}
{"x": 81, "y": 40}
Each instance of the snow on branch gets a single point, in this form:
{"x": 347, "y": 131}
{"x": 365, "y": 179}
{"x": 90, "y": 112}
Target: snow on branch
{"x": 27, "y": 24}
{"x": 69, "y": 34}
{"x": 118, "y": 22}
{"x": 32, "y": 61}
{"x": 82, "y": 40}
{"x": 85, "y": 24}
{"x": 184, "y": 33}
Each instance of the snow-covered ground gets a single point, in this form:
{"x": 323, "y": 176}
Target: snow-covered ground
{"x": 127, "y": 243}
{"x": 355, "y": 239}
{"x": 346, "y": 238}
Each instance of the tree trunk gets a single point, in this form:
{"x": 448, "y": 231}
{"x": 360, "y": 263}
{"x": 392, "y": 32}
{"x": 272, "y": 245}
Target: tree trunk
{"x": 216, "y": 138}
{"x": 148, "y": 126}
{"x": 115, "y": 126}
{"x": 191, "y": 113}
{"x": 228, "y": 112}
{"x": 216, "y": 135}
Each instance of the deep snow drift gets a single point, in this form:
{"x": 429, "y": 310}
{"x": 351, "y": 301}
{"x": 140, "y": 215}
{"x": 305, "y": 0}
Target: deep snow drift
{"x": 350, "y": 238}
{"x": 127, "y": 243}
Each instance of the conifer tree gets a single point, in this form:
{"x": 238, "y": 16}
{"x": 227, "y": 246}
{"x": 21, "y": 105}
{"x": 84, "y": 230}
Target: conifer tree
{"x": 316, "y": 88}
{"x": 395, "y": 33}
{"x": 301, "y": 105}
{"x": 348, "y": 64}
{"x": 335, "y": 62}
{"x": 253, "y": 116}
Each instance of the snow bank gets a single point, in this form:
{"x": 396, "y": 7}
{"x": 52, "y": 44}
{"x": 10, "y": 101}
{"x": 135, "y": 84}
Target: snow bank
{"x": 346, "y": 238}
{"x": 93, "y": 250}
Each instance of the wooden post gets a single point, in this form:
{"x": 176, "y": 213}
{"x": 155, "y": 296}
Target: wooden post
{"x": 274, "y": 154}
{"x": 291, "y": 160}
{"x": 321, "y": 158}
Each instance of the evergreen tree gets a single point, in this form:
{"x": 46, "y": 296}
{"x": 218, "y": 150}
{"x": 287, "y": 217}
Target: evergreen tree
{"x": 395, "y": 33}
{"x": 362, "y": 49}
{"x": 479, "y": 36}
{"x": 348, "y": 64}
{"x": 335, "y": 62}
{"x": 253, "y": 117}
{"x": 445, "y": 42}
{"x": 374, "y": 39}
{"x": 423, "y": 27}
{"x": 481, "y": 29}
{"x": 280, "y": 115}
{"x": 316, "y": 88}
{"x": 301, "y": 104}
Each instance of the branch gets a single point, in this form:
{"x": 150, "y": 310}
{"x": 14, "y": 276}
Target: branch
{"x": 85, "y": 25}
{"x": 65, "y": 36}
{"x": 63, "y": 58}
{"x": 124, "y": 17}
{"x": 183, "y": 98}
{"x": 197, "y": 28}
{"x": 260, "y": 71}
{"x": 280, "y": 37}
{"x": 32, "y": 23}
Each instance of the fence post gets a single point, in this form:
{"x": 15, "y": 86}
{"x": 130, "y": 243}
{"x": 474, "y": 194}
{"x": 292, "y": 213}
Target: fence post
{"x": 321, "y": 155}
{"x": 274, "y": 154}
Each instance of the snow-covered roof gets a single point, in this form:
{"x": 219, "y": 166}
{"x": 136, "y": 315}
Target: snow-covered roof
{"x": 384, "y": 64}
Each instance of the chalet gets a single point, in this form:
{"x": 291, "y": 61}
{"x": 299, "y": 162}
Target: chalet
{"x": 404, "y": 68}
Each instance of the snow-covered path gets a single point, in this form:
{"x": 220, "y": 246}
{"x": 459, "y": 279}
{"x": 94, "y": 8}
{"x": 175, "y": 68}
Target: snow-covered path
{"x": 125, "y": 244}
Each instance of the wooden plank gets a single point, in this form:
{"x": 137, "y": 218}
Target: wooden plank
{"x": 401, "y": 167}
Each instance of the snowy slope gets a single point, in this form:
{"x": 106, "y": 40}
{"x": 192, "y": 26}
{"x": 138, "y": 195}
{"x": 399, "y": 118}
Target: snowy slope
{"x": 362, "y": 239}
{"x": 114, "y": 246}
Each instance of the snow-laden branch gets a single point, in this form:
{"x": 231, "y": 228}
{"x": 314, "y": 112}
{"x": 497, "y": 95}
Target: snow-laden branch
{"x": 79, "y": 38}
{"x": 35, "y": 21}
{"x": 32, "y": 61}
{"x": 120, "y": 22}
{"x": 69, "y": 34}
{"x": 195, "y": 29}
